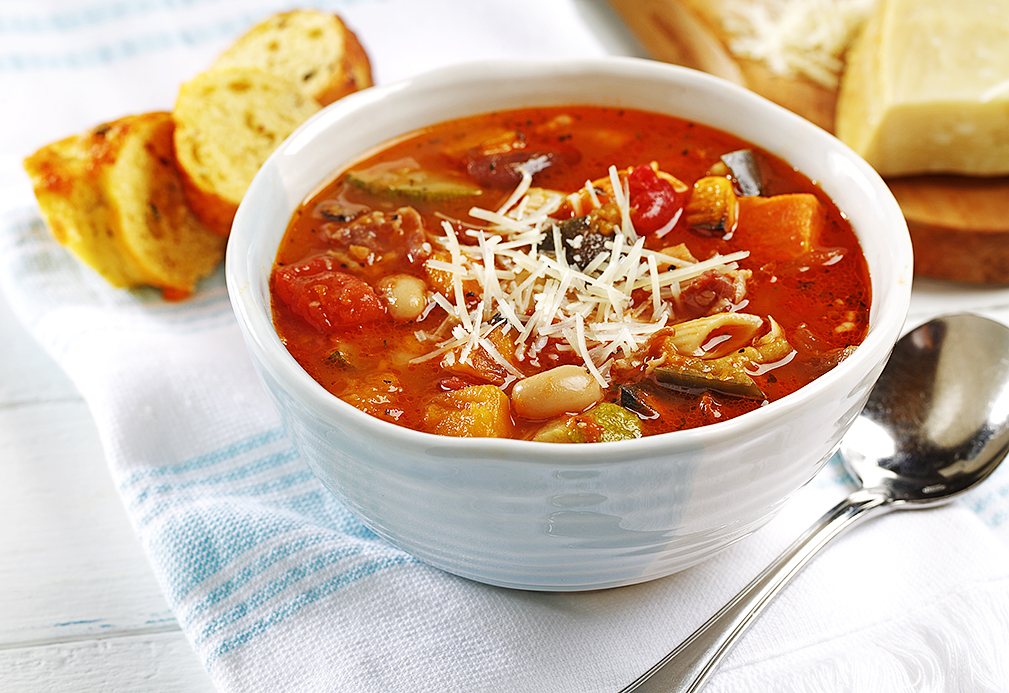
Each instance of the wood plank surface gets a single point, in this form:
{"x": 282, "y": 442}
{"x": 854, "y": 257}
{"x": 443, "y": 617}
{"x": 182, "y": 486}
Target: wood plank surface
{"x": 958, "y": 224}
{"x": 80, "y": 608}
{"x": 159, "y": 663}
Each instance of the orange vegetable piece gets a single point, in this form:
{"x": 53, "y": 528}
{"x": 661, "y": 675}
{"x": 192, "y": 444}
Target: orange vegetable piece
{"x": 785, "y": 226}
{"x": 441, "y": 280}
{"x": 478, "y": 411}
{"x": 482, "y": 366}
{"x": 379, "y": 394}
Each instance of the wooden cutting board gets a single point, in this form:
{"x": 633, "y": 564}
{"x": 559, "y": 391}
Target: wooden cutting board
{"x": 959, "y": 225}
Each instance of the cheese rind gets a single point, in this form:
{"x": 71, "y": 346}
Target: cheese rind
{"x": 926, "y": 88}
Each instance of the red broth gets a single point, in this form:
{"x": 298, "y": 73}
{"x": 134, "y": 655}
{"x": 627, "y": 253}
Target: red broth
{"x": 365, "y": 299}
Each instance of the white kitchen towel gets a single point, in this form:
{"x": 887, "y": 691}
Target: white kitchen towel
{"x": 275, "y": 584}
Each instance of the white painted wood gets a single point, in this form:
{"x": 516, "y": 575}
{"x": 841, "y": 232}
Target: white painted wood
{"x": 80, "y": 609}
{"x": 161, "y": 663}
{"x": 73, "y": 567}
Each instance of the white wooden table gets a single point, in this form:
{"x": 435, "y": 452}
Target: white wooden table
{"x": 80, "y": 609}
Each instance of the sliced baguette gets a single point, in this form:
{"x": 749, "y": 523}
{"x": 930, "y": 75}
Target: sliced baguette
{"x": 114, "y": 197}
{"x": 160, "y": 230}
{"x": 227, "y": 122}
{"x": 66, "y": 178}
{"x": 311, "y": 48}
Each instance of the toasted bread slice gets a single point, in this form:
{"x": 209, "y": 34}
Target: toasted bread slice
{"x": 66, "y": 178}
{"x": 227, "y": 122}
{"x": 311, "y": 48}
{"x": 159, "y": 229}
{"x": 114, "y": 196}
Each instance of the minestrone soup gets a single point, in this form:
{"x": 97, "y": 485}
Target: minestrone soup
{"x": 576, "y": 274}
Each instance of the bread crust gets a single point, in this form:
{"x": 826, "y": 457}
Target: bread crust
{"x": 113, "y": 196}
{"x": 356, "y": 68}
{"x": 65, "y": 178}
{"x": 213, "y": 210}
{"x": 227, "y": 122}
{"x": 310, "y": 48}
{"x": 149, "y": 199}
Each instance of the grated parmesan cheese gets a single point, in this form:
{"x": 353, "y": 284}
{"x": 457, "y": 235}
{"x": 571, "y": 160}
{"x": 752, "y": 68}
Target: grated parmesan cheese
{"x": 547, "y": 301}
{"x": 795, "y": 37}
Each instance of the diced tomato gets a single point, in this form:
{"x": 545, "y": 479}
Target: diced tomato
{"x": 654, "y": 200}
{"x": 327, "y": 298}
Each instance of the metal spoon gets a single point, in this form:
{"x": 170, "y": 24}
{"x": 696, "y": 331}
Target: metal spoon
{"x": 935, "y": 425}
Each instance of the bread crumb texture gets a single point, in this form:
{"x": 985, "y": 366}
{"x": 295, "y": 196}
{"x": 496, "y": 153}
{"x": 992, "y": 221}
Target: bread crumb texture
{"x": 310, "y": 48}
{"x": 228, "y": 121}
{"x": 149, "y": 199}
{"x": 113, "y": 196}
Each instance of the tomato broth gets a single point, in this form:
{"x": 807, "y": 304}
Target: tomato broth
{"x": 698, "y": 277}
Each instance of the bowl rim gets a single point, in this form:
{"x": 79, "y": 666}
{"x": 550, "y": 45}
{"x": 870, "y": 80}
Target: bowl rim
{"x": 886, "y": 320}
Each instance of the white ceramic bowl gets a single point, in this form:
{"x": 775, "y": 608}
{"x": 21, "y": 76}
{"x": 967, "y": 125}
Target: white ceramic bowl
{"x": 547, "y": 516}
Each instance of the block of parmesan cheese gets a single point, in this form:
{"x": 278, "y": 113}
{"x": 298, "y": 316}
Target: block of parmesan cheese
{"x": 926, "y": 88}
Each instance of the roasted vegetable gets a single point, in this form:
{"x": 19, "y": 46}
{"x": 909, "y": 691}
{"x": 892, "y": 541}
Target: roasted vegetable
{"x": 785, "y": 225}
{"x": 483, "y": 366}
{"x": 745, "y": 172}
{"x": 726, "y": 375}
{"x": 634, "y": 399}
{"x": 479, "y": 411}
{"x": 713, "y": 207}
{"x": 379, "y": 394}
{"x": 585, "y": 237}
{"x": 404, "y": 180}
{"x": 606, "y": 422}
{"x": 730, "y": 374}
{"x": 581, "y": 242}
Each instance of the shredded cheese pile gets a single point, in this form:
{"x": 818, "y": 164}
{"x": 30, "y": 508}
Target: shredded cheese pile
{"x": 542, "y": 298}
{"x": 796, "y": 37}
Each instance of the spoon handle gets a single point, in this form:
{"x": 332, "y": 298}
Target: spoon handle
{"x": 687, "y": 667}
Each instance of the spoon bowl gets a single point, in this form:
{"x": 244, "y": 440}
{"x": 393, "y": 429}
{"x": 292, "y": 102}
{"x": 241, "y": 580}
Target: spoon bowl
{"x": 938, "y": 415}
{"x": 936, "y": 424}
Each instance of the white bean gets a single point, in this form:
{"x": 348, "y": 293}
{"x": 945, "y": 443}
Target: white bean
{"x": 564, "y": 389}
{"x": 405, "y": 295}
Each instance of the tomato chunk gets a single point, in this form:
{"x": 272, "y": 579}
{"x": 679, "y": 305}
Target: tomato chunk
{"x": 325, "y": 297}
{"x": 654, "y": 201}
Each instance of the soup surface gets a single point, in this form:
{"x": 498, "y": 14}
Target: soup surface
{"x": 574, "y": 274}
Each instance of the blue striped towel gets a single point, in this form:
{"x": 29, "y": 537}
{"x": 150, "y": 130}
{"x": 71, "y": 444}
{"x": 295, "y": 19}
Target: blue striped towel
{"x": 276, "y": 586}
